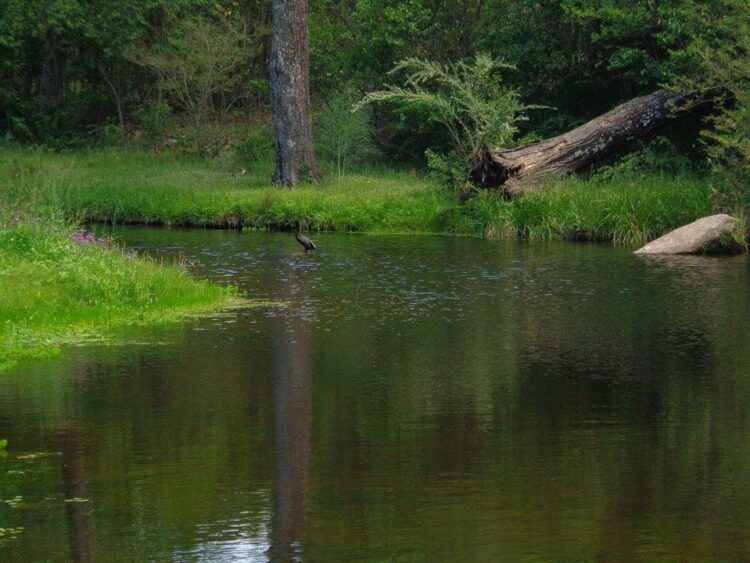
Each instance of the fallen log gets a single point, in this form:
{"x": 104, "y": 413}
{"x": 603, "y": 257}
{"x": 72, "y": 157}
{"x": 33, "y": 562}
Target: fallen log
{"x": 516, "y": 169}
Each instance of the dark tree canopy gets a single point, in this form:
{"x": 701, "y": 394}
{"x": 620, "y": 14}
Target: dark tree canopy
{"x": 73, "y": 70}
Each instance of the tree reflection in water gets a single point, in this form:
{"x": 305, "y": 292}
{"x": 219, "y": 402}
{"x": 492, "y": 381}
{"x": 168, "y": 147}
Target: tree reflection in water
{"x": 77, "y": 506}
{"x": 292, "y": 416}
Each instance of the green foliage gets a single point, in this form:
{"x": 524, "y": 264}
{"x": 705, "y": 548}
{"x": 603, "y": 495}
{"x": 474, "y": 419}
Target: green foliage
{"x": 180, "y": 189}
{"x": 468, "y": 99}
{"x": 130, "y": 186}
{"x": 627, "y": 211}
{"x": 716, "y": 61}
{"x": 344, "y": 136}
{"x": 360, "y": 42}
{"x": 255, "y": 148}
{"x": 108, "y": 134}
{"x": 451, "y": 170}
{"x": 153, "y": 119}
{"x": 729, "y": 152}
{"x": 208, "y": 61}
{"x": 658, "y": 155}
{"x": 3, "y": 444}
{"x": 199, "y": 63}
{"x": 208, "y": 140}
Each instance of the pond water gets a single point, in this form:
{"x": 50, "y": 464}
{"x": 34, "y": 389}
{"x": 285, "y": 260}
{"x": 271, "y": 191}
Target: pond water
{"x": 400, "y": 399}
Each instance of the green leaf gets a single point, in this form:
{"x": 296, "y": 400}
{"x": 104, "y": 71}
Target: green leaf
{"x": 3, "y": 444}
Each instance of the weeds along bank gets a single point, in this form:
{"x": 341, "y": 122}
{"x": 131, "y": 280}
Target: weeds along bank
{"x": 126, "y": 186}
{"x": 58, "y": 285}
{"x": 624, "y": 211}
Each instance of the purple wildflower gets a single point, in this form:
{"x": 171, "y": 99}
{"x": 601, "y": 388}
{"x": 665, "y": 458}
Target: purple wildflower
{"x": 83, "y": 238}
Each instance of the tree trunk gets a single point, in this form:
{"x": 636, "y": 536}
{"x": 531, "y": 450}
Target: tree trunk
{"x": 517, "y": 169}
{"x": 51, "y": 77}
{"x": 290, "y": 94}
{"x": 118, "y": 99}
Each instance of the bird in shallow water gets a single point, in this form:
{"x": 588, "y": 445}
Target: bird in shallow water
{"x": 306, "y": 243}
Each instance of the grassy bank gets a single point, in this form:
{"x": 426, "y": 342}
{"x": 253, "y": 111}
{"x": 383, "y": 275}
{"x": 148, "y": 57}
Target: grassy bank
{"x": 57, "y": 285}
{"x": 137, "y": 187}
{"x": 122, "y": 186}
{"x": 629, "y": 211}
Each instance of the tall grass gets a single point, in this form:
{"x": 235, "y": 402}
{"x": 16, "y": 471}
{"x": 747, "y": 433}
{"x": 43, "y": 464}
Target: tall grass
{"x": 56, "y": 283}
{"x": 126, "y": 186}
{"x": 625, "y": 210}
{"x": 135, "y": 187}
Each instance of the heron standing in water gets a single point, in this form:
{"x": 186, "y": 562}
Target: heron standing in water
{"x": 306, "y": 243}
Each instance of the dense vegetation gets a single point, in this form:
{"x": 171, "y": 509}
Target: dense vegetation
{"x": 129, "y": 186}
{"x": 179, "y": 73}
{"x": 174, "y": 97}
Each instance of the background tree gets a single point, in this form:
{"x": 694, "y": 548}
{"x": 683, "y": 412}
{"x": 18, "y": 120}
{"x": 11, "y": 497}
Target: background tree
{"x": 290, "y": 94}
{"x": 718, "y": 61}
{"x": 200, "y": 66}
{"x": 344, "y": 136}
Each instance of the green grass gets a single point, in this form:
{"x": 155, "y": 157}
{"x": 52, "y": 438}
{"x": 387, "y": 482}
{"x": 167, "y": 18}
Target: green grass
{"x": 128, "y": 186}
{"x": 55, "y": 290}
{"x": 135, "y": 187}
{"x": 627, "y": 210}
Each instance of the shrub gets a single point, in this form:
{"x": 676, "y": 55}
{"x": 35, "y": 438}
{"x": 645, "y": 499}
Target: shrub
{"x": 450, "y": 169}
{"x": 344, "y": 136}
{"x": 468, "y": 99}
{"x": 658, "y": 155}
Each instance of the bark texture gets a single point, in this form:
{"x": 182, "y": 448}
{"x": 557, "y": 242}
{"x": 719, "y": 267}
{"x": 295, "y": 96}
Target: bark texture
{"x": 52, "y": 75}
{"x": 290, "y": 93}
{"x": 515, "y": 169}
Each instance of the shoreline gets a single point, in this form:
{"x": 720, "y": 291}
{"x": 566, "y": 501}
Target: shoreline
{"x": 59, "y": 285}
{"x": 133, "y": 187}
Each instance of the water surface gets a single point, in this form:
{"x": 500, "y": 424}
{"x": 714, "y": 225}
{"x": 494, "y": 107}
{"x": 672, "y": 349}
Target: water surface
{"x": 414, "y": 399}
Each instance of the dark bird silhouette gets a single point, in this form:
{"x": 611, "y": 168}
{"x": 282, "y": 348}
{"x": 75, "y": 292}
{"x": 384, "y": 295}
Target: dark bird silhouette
{"x": 306, "y": 243}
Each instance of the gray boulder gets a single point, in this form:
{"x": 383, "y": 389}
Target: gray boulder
{"x": 716, "y": 234}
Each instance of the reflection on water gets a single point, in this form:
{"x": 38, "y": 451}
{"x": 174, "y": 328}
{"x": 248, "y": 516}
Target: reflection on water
{"x": 418, "y": 398}
{"x": 292, "y": 368}
{"x": 77, "y": 503}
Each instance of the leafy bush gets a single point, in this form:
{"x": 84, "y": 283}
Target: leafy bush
{"x": 653, "y": 156}
{"x": 729, "y": 153}
{"x": 451, "y": 169}
{"x": 200, "y": 64}
{"x": 208, "y": 140}
{"x": 108, "y": 134}
{"x": 468, "y": 99}
{"x": 719, "y": 66}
